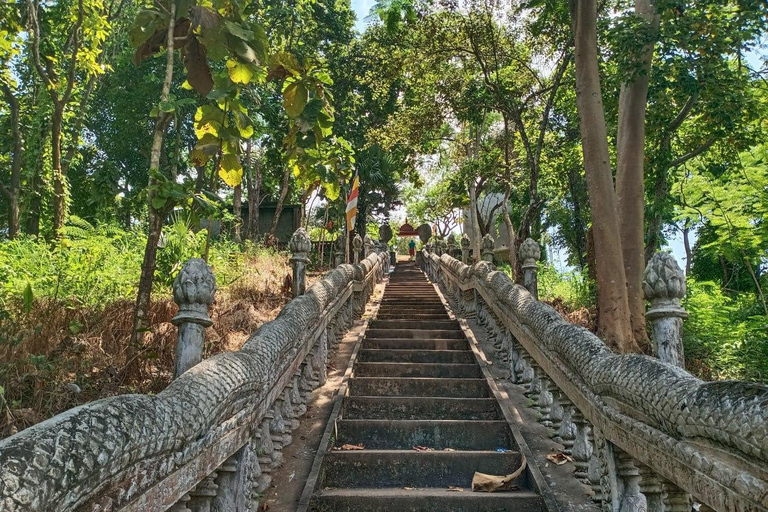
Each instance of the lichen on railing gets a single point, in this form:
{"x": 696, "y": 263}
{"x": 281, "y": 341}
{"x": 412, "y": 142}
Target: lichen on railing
{"x": 210, "y": 438}
{"x": 640, "y": 430}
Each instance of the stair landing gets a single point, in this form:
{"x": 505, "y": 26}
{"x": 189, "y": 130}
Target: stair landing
{"x": 426, "y": 415}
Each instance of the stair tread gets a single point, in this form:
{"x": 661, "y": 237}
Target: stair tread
{"x": 422, "y": 491}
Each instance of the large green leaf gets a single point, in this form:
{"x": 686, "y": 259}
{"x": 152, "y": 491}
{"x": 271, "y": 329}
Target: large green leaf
{"x": 145, "y": 25}
{"x": 230, "y": 170}
{"x": 239, "y": 72}
{"x": 295, "y": 97}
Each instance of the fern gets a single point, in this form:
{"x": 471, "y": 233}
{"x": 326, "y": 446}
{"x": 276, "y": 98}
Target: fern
{"x": 78, "y": 228}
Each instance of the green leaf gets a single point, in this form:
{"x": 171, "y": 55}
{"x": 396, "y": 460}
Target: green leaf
{"x": 295, "y": 97}
{"x": 158, "y": 202}
{"x": 230, "y": 170}
{"x": 239, "y": 72}
{"x": 28, "y": 298}
{"x": 238, "y": 31}
{"x": 167, "y": 106}
{"x": 332, "y": 190}
{"x": 146, "y": 23}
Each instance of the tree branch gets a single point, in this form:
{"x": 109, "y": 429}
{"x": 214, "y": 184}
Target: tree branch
{"x": 34, "y": 34}
{"x": 683, "y": 114}
{"x": 693, "y": 154}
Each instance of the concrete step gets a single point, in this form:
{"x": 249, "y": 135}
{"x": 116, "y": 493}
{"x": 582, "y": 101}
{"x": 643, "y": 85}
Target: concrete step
{"x": 442, "y": 334}
{"x": 402, "y": 312}
{"x": 415, "y": 356}
{"x": 488, "y": 435}
{"x": 408, "y": 386}
{"x": 415, "y": 343}
{"x": 438, "y": 370}
{"x": 409, "y": 468}
{"x": 424, "y": 500}
{"x": 419, "y": 408}
{"x": 407, "y": 323}
{"x": 412, "y": 316}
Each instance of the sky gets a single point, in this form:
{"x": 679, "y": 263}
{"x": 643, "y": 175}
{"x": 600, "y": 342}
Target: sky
{"x": 361, "y": 8}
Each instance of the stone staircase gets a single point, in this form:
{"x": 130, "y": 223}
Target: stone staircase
{"x": 416, "y": 382}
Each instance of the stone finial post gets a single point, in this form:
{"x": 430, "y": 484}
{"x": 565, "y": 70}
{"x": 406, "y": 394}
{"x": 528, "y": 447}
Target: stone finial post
{"x": 193, "y": 290}
{"x": 487, "y": 248}
{"x": 440, "y": 245}
{"x": 338, "y": 250}
{"x": 465, "y": 244}
{"x": 664, "y": 286}
{"x": 385, "y": 234}
{"x": 451, "y": 243}
{"x": 429, "y": 246}
{"x": 300, "y": 245}
{"x": 357, "y": 246}
{"x": 369, "y": 247}
{"x": 530, "y": 254}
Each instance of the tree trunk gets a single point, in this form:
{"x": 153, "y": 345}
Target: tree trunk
{"x": 630, "y": 191}
{"x": 13, "y": 191}
{"x": 237, "y": 205}
{"x": 59, "y": 198}
{"x": 687, "y": 246}
{"x": 254, "y": 199}
{"x": 280, "y": 201}
{"x": 614, "y": 323}
{"x": 141, "y": 311}
{"x": 474, "y": 227}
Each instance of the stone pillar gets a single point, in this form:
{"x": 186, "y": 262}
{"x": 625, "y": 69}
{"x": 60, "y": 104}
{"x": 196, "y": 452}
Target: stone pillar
{"x": 452, "y": 245}
{"x": 530, "y": 254}
{"x": 193, "y": 290}
{"x": 357, "y": 246}
{"x": 439, "y": 246}
{"x": 203, "y": 494}
{"x": 300, "y": 245}
{"x": 338, "y": 253}
{"x": 368, "y": 244}
{"x": 664, "y": 286}
{"x": 487, "y": 248}
{"x": 465, "y": 244}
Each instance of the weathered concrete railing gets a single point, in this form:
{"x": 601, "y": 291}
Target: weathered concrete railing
{"x": 206, "y": 442}
{"x": 644, "y": 434}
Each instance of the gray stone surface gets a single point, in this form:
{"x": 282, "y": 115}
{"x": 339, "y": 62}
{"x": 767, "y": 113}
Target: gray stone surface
{"x": 300, "y": 245}
{"x": 664, "y": 286}
{"x": 193, "y": 290}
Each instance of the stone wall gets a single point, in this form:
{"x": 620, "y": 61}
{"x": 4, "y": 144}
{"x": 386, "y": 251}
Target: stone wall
{"x": 205, "y": 443}
{"x": 644, "y": 434}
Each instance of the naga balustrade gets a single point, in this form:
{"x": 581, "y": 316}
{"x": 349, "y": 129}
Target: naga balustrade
{"x": 645, "y": 435}
{"x": 210, "y": 439}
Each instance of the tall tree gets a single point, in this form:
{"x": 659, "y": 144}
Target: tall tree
{"x": 614, "y": 315}
{"x": 67, "y": 56}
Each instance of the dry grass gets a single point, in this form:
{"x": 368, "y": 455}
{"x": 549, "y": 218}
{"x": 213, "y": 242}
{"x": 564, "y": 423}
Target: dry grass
{"x": 584, "y": 317}
{"x": 67, "y": 357}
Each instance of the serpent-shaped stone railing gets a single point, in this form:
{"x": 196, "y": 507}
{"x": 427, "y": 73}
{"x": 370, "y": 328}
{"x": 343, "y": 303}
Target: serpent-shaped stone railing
{"x": 206, "y": 442}
{"x": 644, "y": 434}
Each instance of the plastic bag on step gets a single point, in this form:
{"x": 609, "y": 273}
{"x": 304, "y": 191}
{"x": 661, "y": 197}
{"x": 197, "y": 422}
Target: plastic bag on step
{"x": 493, "y": 483}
